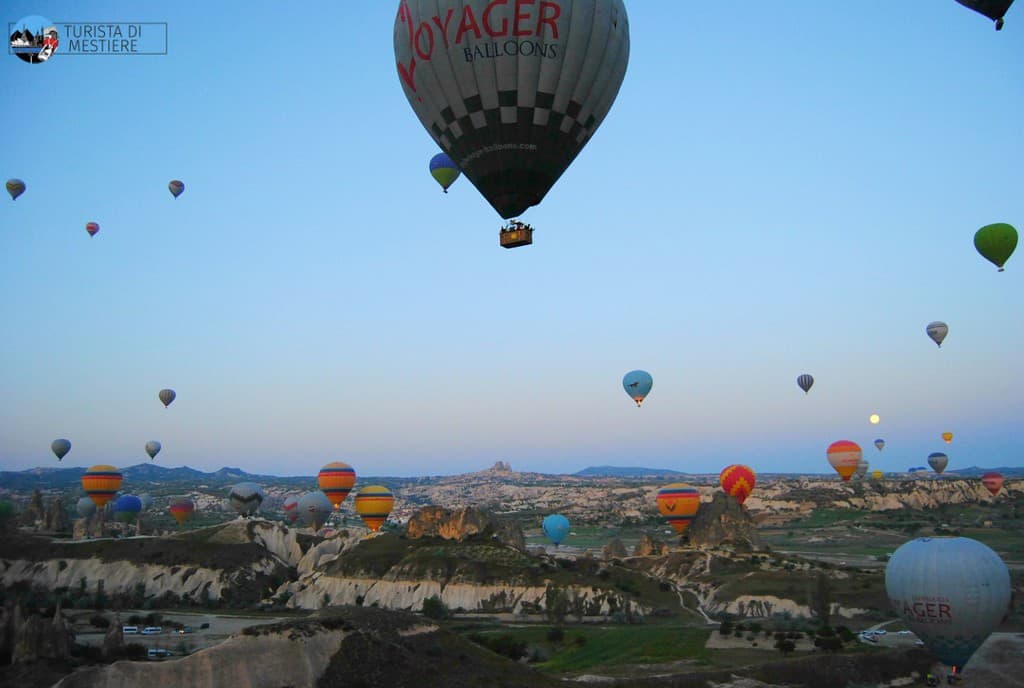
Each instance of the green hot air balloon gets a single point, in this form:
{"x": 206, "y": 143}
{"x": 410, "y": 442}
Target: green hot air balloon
{"x": 996, "y": 243}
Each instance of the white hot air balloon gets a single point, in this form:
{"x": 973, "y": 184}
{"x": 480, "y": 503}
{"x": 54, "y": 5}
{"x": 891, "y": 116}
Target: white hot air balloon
{"x": 314, "y": 509}
{"x": 245, "y": 498}
{"x": 152, "y": 448}
{"x": 937, "y": 331}
{"x": 951, "y": 592}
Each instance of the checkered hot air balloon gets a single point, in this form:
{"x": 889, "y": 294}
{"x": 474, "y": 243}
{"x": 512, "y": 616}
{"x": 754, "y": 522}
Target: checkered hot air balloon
{"x": 738, "y": 481}
{"x": 844, "y": 456}
{"x": 101, "y": 483}
{"x": 679, "y": 504}
{"x": 373, "y": 504}
{"x": 336, "y": 480}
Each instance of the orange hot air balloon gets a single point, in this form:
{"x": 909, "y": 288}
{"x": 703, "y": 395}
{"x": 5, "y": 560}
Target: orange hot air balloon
{"x": 373, "y": 504}
{"x": 738, "y": 480}
{"x": 182, "y": 509}
{"x": 678, "y": 503}
{"x": 947, "y": 437}
{"x": 101, "y": 483}
{"x": 844, "y": 456}
{"x": 993, "y": 482}
{"x": 336, "y": 480}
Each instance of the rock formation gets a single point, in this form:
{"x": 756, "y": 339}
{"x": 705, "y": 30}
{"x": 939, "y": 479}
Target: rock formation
{"x": 55, "y": 518}
{"x": 649, "y": 547}
{"x": 501, "y": 467}
{"x": 723, "y": 520}
{"x": 614, "y": 549}
{"x": 460, "y": 524}
{"x": 113, "y": 639}
{"x": 32, "y": 516}
{"x": 38, "y": 638}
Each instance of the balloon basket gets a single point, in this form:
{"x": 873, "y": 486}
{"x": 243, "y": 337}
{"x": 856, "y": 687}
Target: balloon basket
{"x": 516, "y": 235}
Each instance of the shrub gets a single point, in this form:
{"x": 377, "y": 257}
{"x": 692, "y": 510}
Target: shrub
{"x": 434, "y": 608}
{"x": 785, "y": 646}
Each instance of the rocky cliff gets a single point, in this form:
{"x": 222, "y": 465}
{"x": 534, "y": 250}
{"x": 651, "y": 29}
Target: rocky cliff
{"x": 722, "y": 521}
{"x": 463, "y": 523}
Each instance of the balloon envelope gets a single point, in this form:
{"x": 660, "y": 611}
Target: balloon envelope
{"x": 182, "y": 509}
{"x": 938, "y": 461}
{"x": 637, "y": 384}
{"x": 336, "y": 480}
{"x": 511, "y": 91}
{"x": 880, "y": 444}
{"x": 951, "y": 592}
{"x": 555, "y": 527}
{"x": 147, "y": 501}
{"x": 947, "y": 437}
{"x": 862, "y": 469}
{"x": 291, "y": 508}
{"x": 101, "y": 483}
{"x": 153, "y": 448}
{"x": 166, "y": 396}
{"x": 85, "y": 507}
{"x": 993, "y": 9}
{"x": 373, "y": 504}
{"x": 245, "y": 498}
{"x": 738, "y": 481}
{"x": 176, "y": 187}
{"x": 92, "y": 228}
{"x": 678, "y": 503}
{"x": 314, "y": 509}
{"x": 877, "y": 475}
{"x": 127, "y": 508}
{"x": 60, "y": 448}
{"x": 805, "y": 382}
{"x": 443, "y": 170}
{"x": 996, "y": 243}
{"x": 993, "y": 482}
{"x": 937, "y": 331}
{"x": 15, "y": 187}
{"x": 844, "y": 456}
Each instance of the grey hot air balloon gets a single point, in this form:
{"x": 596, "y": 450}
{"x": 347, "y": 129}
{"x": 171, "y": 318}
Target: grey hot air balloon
{"x": 153, "y": 448}
{"x": 147, "y": 501}
{"x": 314, "y": 509}
{"x": 937, "y": 331}
{"x": 85, "y": 507}
{"x": 805, "y": 382}
{"x": 60, "y": 448}
{"x": 862, "y": 469}
{"x": 176, "y": 186}
{"x": 951, "y": 592}
{"x": 938, "y": 461}
{"x": 167, "y": 396}
{"x": 15, "y": 187}
{"x": 245, "y": 498}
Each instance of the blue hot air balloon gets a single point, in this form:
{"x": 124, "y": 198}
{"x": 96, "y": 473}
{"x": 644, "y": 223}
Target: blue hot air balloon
{"x": 127, "y": 508}
{"x": 637, "y": 384}
{"x": 556, "y": 527}
{"x": 443, "y": 170}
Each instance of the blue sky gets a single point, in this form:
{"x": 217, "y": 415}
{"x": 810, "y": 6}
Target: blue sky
{"x": 781, "y": 187}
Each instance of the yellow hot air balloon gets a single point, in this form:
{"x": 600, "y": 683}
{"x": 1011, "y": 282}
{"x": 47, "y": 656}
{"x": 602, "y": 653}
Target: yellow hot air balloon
{"x": 336, "y": 480}
{"x": 877, "y": 475}
{"x": 678, "y": 503}
{"x": 948, "y": 437}
{"x": 373, "y": 504}
{"x": 101, "y": 483}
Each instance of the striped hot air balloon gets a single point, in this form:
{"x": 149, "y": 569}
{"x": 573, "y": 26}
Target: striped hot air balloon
{"x": 805, "y": 382}
{"x": 182, "y": 509}
{"x": 373, "y": 504}
{"x": 738, "y": 480}
{"x": 101, "y": 483}
{"x": 844, "y": 456}
{"x": 336, "y": 480}
{"x": 678, "y": 503}
{"x": 291, "y": 508}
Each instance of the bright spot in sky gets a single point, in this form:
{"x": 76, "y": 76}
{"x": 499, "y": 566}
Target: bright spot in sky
{"x": 874, "y": 419}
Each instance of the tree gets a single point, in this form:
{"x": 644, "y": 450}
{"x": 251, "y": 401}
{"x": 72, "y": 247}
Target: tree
{"x": 556, "y": 604}
{"x": 785, "y": 646}
{"x": 821, "y": 599}
{"x": 434, "y": 608}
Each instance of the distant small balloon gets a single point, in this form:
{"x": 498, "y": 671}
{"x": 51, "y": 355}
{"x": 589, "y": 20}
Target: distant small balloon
{"x": 182, "y": 509}
{"x": 937, "y": 331}
{"x": 443, "y": 170}
{"x": 877, "y": 475}
{"x": 555, "y": 527}
{"x": 805, "y": 382}
{"x": 60, "y": 447}
{"x": 862, "y": 469}
{"x": 153, "y": 448}
{"x": 92, "y": 228}
{"x": 167, "y": 396}
{"x": 176, "y": 187}
{"x": 637, "y": 384}
{"x": 947, "y": 437}
{"x": 291, "y": 508}
{"x": 15, "y": 187}
{"x": 938, "y": 461}
{"x": 880, "y": 444}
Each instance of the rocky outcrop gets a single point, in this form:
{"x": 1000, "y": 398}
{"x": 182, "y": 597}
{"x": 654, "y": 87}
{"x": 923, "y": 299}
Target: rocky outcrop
{"x": 614, "y": 549}
{"x": 460, "y": 524}
{"x": 32, "y": 515}
{"x": 113, "y": 639}
{"x": 55, "y": 518}
{"x": 723, "y": 520}
{"x": 501, "y": 467}
{"x": 648, "y": 546}
{"x": 38, "y": 638}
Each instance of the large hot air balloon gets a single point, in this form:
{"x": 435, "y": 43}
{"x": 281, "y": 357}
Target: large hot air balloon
{"x": 951, "y": 592}
{"x": 166, "y": 396}
{"x": 678, "y": 503}
{"x": 92, "y": 228}
{"x": 182, "y": 509}
{"x": 938, "y": 461}
{"x": 245, "y": 498}
{"x": 993, "y": 482}
{"x": 373, "y": 504}
{"x": 996, "y": 243}
{"x": 937, "y": 331}
{"x": 101, "y": 483}
{"x": 127, "y": 508}
{"x": 314, "y": 509}
{"x": 947, "y": 437}
{"x": 844, "y": 456}
{"x": 555, "y": 527}
{"x": 637, "y": 384}
{"x": 862, "y": 468}
{"x": 738, "y": 481}
{"x": 291, "y": 508}
{"x": 336, "y": 480}
{"x": 153, "y": 448}
{"x": 993, "y": 9}
{"x": 880, "y": 444}
{"x": 805, "y": 382}
{"x": 511, "y": 91}
{"x": 85, "y": 507}
{"x": 15, "y": 187}
{"x": 176, "y": 186}
{"x": 60, "y": 448}
{"x": 443, "y": 170}
{"x": 877, "y": 475}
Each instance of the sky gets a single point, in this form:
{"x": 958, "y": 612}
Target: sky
{"x": 781, "y": 187}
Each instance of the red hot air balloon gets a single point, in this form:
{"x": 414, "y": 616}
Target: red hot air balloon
{"x": 92, "y": 228}
{"x": 844, "y": 456}
{"x": 993, "y": 482}
{"x": 738, "y": 481}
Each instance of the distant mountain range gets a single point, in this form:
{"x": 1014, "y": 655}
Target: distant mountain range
{"x": 625, "y": 472}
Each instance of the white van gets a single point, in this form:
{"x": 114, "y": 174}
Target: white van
{"x": 129, "y": 630}
{"x": 158, "y": 653}
{"x": 152, "y": 630}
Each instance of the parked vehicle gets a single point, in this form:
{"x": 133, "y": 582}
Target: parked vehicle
{"x": 184, "y": 630}
{"x": 129, "y": 630}
{"x": 152, "y": 630}
{"x": 204, "y": 626}
{"x": 158, "y": 653}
